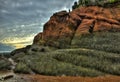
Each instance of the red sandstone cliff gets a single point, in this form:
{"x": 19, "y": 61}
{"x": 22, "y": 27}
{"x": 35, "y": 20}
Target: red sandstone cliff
{"x": 63, "y": 26}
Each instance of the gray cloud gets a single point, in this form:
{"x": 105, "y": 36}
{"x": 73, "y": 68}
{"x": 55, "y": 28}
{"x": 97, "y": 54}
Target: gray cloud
{"x": 20, "y": 18}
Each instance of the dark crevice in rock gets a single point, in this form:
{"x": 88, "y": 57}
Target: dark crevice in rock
{"x": 82, "y": 16}
{"x": 78, "y": 23}
{"x": 92, "y": 27}
{"x": 109, "y": 21}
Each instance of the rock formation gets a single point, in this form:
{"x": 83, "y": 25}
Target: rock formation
{"x": 64, "y": 26}
{"x": 65, "y": 30}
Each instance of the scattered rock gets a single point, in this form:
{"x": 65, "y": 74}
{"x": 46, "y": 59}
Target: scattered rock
{"x": 6, "y": 77}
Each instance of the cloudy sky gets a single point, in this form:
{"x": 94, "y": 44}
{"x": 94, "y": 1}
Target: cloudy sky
{"x": 21, "y": 20}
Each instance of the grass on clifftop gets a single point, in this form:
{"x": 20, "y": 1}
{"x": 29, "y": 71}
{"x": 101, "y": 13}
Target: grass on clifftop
{"x": 103, "y": 3}
{"x": 92, "y": 55}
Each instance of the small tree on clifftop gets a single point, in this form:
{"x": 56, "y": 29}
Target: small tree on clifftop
{"x": 75, "y": 5}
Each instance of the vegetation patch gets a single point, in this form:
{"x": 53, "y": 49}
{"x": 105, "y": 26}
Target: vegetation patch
{"x": 104, "y": 41}
{"x": 22, "y": 68}
{"x": 4, "y": 64}
{"x": 103, "y": 3}
{"x": 92, "y": 55}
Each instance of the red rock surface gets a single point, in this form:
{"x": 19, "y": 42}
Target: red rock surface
{"x": 43, "y": 78}
{"x": 40, "y": 78}
{"x": 64, "y": 26}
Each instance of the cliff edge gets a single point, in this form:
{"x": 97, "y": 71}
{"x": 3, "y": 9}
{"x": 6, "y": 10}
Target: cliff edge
{"x": 64, "y": 26}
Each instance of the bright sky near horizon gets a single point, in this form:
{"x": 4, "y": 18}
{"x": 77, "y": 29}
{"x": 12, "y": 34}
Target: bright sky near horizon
{"x": 21, "y": 20}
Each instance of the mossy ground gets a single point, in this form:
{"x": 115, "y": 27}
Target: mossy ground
{"x": 90, "y": 55}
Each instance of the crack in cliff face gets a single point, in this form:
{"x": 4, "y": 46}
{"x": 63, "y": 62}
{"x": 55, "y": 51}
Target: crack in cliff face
{"x": 75, "y": 28}
{"x": 91, "y": 29}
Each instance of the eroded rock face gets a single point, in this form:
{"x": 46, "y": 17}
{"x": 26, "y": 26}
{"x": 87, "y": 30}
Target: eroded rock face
{"x": 59, "y": 30}
{"x": 64, "y": 26}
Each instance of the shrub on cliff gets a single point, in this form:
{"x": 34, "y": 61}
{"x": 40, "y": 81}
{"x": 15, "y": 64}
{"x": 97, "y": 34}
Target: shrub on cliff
{"x": 113, "y": 1}
{"x": 93, "y": 3}
{"x": 75, "y": 5}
